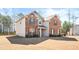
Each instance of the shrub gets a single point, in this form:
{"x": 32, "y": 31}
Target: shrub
{"x": 55, "y": 35}
{"x": 31, "y": 36}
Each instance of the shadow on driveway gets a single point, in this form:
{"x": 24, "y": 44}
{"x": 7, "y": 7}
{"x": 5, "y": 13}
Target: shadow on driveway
{"x": 27, "y": 41}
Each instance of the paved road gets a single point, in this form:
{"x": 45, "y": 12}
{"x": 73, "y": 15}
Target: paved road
{"x": 11, "y": 42}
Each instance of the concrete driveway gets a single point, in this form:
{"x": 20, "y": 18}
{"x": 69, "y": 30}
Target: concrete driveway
{"x": 11, "y": 42}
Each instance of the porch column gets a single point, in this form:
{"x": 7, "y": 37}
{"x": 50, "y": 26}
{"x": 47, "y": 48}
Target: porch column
{"x": 40, "y": 32}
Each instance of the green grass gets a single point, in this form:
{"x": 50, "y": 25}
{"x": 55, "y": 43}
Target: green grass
{"x": 6, "y": 33}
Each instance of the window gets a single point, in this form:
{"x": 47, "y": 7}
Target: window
{"x": 31, "y": 21}
{"x": 55, "y": 22}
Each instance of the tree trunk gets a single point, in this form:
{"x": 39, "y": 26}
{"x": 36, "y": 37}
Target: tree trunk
{"x": 8, "y": 31}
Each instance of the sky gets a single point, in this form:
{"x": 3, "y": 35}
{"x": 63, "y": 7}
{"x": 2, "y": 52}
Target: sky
{"x": 46, "y": 12}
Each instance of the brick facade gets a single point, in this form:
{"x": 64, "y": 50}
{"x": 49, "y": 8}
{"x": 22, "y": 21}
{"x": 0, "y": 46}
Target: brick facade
{"x": 35, "y": 24}
{"x": 54, "y": 25}
{"x": 31, "y": 24}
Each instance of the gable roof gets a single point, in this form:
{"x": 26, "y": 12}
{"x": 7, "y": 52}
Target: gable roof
{"x": 34, "y": 12}
{"x": 51, "y": 17}
{"x": 19, "y": 19}
{"x": 40, "y": 17}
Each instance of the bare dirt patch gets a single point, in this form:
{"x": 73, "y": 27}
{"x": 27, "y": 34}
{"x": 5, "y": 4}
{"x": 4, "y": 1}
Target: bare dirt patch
{"x": 52, "y": 43}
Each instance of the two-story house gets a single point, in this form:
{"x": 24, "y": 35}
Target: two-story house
{"x": 34, "y": 24}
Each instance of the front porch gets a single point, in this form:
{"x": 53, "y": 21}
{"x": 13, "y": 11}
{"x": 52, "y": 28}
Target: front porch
{"x": 40, "y": 31}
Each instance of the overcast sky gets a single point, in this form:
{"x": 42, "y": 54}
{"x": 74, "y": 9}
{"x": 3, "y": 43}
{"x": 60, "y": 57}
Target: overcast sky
{"x": 45, "y": 12}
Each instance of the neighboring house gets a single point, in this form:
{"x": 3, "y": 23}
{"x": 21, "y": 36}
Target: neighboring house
{"x": 74, "y": 30}
{"x": 34, "y": 24}
{"x": 54, "y": 25}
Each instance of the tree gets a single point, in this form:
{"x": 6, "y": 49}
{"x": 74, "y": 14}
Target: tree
{"x": 1, "y": 25}
{"x": 6, "y": 21}
{"x": 66, "y": 26}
